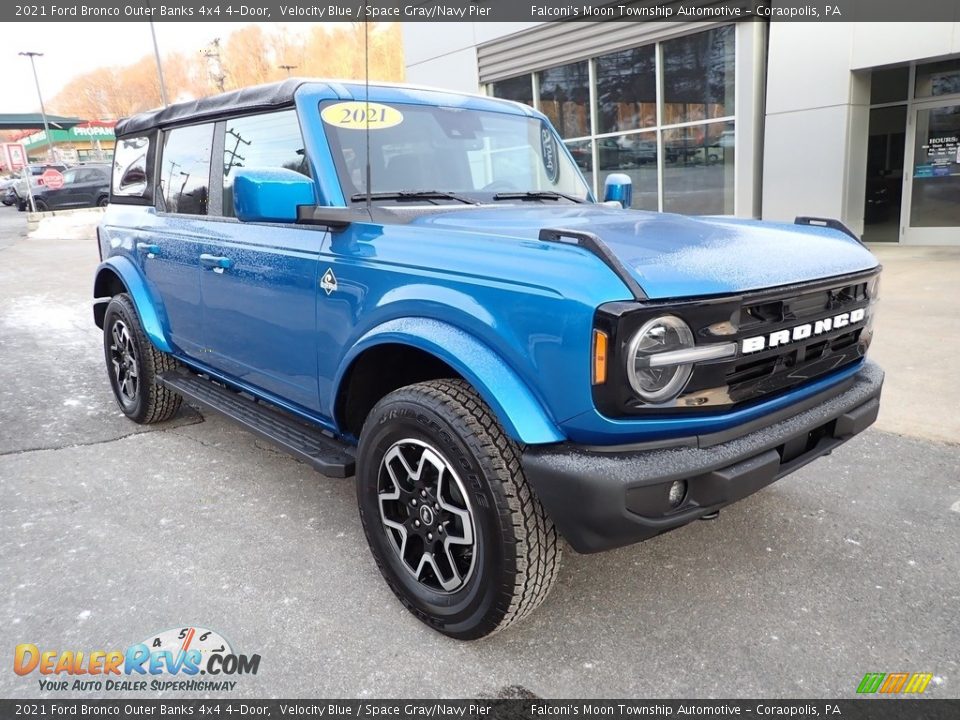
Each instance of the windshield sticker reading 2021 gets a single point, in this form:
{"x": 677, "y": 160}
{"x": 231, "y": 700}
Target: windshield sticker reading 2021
{"x": 361, "y": 116}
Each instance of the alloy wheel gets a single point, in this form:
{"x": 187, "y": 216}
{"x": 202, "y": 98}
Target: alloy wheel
{"x": 123, "y": 357}
{"x": 426, "y": 515}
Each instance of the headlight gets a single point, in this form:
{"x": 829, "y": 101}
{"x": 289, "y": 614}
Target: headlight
{"x": 873, "y": 287}
{"x": 655, "y": 382}
{"x": 661, "y": 356}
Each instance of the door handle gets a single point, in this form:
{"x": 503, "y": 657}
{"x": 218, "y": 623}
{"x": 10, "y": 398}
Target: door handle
{"x": 217, "y": 263}
{"x": 148, "y": 248}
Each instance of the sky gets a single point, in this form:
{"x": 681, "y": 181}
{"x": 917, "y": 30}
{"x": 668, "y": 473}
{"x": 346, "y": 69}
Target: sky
{"x": 73, "y": 48}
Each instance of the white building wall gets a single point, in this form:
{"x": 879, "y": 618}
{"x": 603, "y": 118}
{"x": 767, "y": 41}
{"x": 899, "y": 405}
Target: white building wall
{"x": 817, "y": 92}
{"x": 817, "y": 114}
{"x": 445, "y": 54}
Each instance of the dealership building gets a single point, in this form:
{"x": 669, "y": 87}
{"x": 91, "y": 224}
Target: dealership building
{"x": 854, "y": 121}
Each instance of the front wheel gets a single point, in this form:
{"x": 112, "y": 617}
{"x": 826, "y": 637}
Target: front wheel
{"x": 455, "y": 529}
{"x": 133, "y": 364}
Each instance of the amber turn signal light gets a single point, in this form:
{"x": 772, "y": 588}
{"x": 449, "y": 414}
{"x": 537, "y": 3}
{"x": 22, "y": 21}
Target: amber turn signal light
{"x": 599, "y": 357}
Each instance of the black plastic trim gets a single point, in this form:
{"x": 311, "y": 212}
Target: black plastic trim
{"x": 826, "y": 222}
{"x": 310, "y": 444}
{"x": 603, "y": 500}
{"x": 594, "y": 244}
{"x": 722, "y": 436}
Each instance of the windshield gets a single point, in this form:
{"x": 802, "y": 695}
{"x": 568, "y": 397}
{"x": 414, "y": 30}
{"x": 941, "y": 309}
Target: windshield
{"x": 471, "y": 153}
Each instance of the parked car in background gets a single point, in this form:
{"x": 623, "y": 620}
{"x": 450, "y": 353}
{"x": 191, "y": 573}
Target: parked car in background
{"x": 7, "y": 194}
{"x": 33, "y": 172}
{"x": 83, "y": 186}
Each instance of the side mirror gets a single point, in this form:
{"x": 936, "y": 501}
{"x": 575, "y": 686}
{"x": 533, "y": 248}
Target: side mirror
{"x": 618, "y": 187}
{"x": 271, "y": 195}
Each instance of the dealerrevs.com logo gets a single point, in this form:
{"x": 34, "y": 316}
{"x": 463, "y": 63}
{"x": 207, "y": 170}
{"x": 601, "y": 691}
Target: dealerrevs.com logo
{"x": 170, "y": 660}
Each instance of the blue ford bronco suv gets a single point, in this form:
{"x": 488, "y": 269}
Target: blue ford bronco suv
{"x": 418, "y": 288}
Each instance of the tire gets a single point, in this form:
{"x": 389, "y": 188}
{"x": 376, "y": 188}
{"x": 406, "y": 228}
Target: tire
{"x": 126, "y": 348}
{"x": 481, "y": 579}
{"x": 103, "y": 202}
{"x": 41, "y": 206}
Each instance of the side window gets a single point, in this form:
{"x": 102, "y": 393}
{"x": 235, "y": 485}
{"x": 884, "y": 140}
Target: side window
{"x": 265, "y": 141}
{"x": 70, "y": 177}
{"x": 185, "y": 169}
{"x": 130, "y": 178}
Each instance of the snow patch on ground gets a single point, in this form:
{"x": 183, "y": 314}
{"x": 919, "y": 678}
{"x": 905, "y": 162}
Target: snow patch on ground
{"x": 40, "y": 314}
{"x": 80, "y": 225}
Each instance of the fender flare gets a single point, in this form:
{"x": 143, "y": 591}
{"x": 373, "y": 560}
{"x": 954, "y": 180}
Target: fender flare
{"x": 150, "y": 317}
{"x": 518, "y": 410}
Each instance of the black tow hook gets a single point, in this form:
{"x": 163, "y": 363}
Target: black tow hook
{"x": 711, "y": 516}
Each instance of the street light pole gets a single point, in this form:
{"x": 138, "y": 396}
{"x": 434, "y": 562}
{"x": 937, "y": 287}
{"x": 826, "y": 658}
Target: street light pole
{"x": 43, "y": 110}
{"x": 156, "y": 54}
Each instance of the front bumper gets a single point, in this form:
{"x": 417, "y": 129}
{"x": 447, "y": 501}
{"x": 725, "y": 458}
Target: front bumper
{"x": 602, "y": 498}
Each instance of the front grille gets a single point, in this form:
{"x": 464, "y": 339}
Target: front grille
{"x": 752, "y": 376}
{"x": 725, "y": 384}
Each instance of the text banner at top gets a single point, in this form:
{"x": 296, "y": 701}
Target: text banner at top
{"x": 484, "y": 11}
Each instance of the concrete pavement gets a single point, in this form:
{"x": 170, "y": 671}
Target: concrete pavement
{"x": 110, "y": 532}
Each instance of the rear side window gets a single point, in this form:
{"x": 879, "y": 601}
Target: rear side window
{"x": 130, "y": 177}
{"x": 263, "y": 141}
{"x": 185, "y": 169}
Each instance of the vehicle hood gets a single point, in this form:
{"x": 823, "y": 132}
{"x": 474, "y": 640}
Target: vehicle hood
{"x": 674, "y": 256}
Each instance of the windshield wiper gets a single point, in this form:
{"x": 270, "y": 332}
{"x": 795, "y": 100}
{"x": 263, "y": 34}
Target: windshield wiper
{"x": 413, "y": 195}
{"x": 537, "y": 195}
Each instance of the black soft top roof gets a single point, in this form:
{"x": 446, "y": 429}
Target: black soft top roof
{"x": 258, "y": 97}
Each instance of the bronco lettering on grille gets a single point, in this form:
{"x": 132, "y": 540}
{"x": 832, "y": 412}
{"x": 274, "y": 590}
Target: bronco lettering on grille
{"x": 802, "y": 332}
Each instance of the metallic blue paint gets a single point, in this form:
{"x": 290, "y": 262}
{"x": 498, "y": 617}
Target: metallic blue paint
{"x": 473, "y": 286}
{"x": 509, "y": 397}
{"x": 592, "y": 428}
{"x": 675, "y": 256}
{"x": 271, "y": 194}
{"x": 618, "y": 187}
{"x": 149, "y": 312}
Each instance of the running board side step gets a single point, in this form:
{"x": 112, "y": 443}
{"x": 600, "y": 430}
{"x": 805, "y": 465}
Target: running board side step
{"x": 316, "y": 448}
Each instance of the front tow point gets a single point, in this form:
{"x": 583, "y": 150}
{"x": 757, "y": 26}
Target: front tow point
{"x": 711, "y": 516}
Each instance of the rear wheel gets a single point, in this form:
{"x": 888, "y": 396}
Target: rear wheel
{"x": 103, "y": 202}
{"x": 40, "y": 205}
{"x": 133, "y": 364}
{"x": 454, "y": 527}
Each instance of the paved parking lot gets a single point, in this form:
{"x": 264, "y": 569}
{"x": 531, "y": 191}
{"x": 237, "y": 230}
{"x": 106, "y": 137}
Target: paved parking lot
{"x": 110, "y": 533}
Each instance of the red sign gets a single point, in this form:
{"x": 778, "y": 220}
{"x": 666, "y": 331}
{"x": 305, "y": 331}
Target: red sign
{"x": 52, "y": 178}
{"x": 14, "y": 157}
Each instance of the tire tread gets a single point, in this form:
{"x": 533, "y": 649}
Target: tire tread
{"x": 161, "y": 403}
{"x": 533, "y": 548}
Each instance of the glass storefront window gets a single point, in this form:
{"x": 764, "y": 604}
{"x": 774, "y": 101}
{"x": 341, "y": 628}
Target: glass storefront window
{"x": 939, "y": 78}
{"x": 565, "y": 98}
{"x": 582, "y": 152}
{"x": 698, "y": 169}
{"x": 684, "y": 142}
{"x": 936, "y": 168}
{"x": 519, "y": 89}
{"x": 636, "y": 156}
{"x": 627, "y": 90}
{"x": 698, "y": 76}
